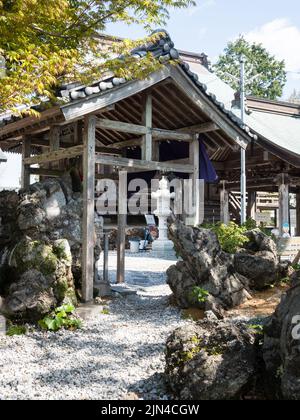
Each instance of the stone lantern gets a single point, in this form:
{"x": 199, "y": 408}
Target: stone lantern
{"x": 163, "y": 196}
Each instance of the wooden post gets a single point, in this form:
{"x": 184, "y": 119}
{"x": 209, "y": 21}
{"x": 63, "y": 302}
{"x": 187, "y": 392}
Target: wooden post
{"x": 251, "y": 208}
{"x": 88, "y": 226}
{"x": 26, "y": 152}
{"x": 284, "y": 203}
{"x": 195, "y": 161}
{"x": 298, "y": 214}
{"x": 54, "y": 140}
{"x": 122, "y": 221}
{"x": 147, "y": 122}
{"x": 224, "y": 205}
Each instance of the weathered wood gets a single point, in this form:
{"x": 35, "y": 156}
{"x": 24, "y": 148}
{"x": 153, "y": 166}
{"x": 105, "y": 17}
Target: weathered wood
{"x": 147, "y": 122}
{"x": 298, "y": 214}
{"x": 143, "y": 165}
{"x": 26, "y": 151}
{"x": 251, "y": 206}
{"x": 122, "y": 221}
{"x": 54, "y": 156}
{"x": 97, "y": 102}
{"x": 54, "y": 138}
{"x": 158, "y": 134}
{"x": 88, "y": 225}
{"x": 46, "y": 172}
{"x": 128, "y": 143}
{"x": 194, "y": 157}
{"x": 284, "y": 204}
{"x": 224, "y": 205}
{"x": 201, "y": 128}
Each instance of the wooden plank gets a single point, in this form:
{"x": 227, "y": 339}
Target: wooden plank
{"x": 54, "y": 156}
{"x": 96, "y": 102}
{"x": 88, "y": 223}
{"x": 144, "y": 165}
{"x": 147, "y": 122}
{"x": 186, "y": 85}
{"x": 122, "y": 222}
{"x": 26, "y": 151}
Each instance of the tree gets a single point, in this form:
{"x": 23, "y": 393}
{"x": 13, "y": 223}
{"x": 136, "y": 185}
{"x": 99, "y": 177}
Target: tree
{"x": 45, "y": 43}
{"x": 265, "y": 74}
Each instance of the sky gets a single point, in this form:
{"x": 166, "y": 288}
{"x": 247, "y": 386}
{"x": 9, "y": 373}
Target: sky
{"x": 212, "y": 23}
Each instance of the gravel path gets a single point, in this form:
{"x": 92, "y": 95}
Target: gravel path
{"x": 115, "y": 356}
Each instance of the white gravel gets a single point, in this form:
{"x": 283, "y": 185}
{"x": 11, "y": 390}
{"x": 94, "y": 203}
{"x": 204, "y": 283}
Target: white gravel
{"x": 113, "y": 356}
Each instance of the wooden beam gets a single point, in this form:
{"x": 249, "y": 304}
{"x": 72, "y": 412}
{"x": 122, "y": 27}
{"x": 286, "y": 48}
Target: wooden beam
{"x": 144, "y": 165}
{"x": 88, "y": 222}
{"x": 147, "y": 122}
{"x": 128, "y": 143}
{"x": 26, "y": 151}
{"x": 54, "y": 156}
{"x": 201, "y": 128}
{"x": 122, "y": 222}
{"x": 96, "y": 102}
{"x": 46, "y": 172}
{"x": 194, "y": 158}
{"x": 141, "y": 130}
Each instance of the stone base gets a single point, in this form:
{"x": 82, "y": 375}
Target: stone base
{"x": 163, "y": 249}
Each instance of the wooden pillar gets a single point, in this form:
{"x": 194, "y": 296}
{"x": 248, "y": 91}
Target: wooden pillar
{"x": 147, "y": 122}
{"x": 284, "y": 203}
{"x": 224, "y": 205}
{"x": 122, "y": 221}
{"x": 54, "y": 139}
{"x": 88, "y": 225}
{"x": 26, "y": 152}
{"x": 195, "y": 161}
{"x": 298, "y": 214}
{"x": 251, "y": 207}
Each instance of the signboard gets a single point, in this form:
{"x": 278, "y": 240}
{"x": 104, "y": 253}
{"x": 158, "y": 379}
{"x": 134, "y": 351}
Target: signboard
{"x": 263, "y": 217}
{"x": 288, "y": 248}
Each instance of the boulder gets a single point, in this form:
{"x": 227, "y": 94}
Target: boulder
{"x": 211, "y": 360}
{"x": 258, "y": 260}
{"x": 41, "y": 239}
{"x": 41, "y": 278}
{"x": 281, "y": 348}
{"x": 206, "y": 267}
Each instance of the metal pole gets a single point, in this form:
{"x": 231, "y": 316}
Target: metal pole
{"x": 105, "y": 257}
{"x": 243, "y": 151}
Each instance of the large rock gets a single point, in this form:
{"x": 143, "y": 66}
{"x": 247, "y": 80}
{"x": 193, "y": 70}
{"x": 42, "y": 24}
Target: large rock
{"x": 258, "y": 261}
{"x": 281, "y": 349}
{"x": 41, "y": 279}
{"x": 204, "y": 266}
{"x": 211, "y": 360}
{"x": 41, "y": 239}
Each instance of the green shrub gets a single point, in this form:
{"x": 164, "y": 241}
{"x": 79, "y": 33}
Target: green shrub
{"x": 16, "y": 330}
{"x": 62, "y": 317}
{"x": 250, "y": 224}
{"x": 199, "y": 294}
{"x": 231, "y": 236}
